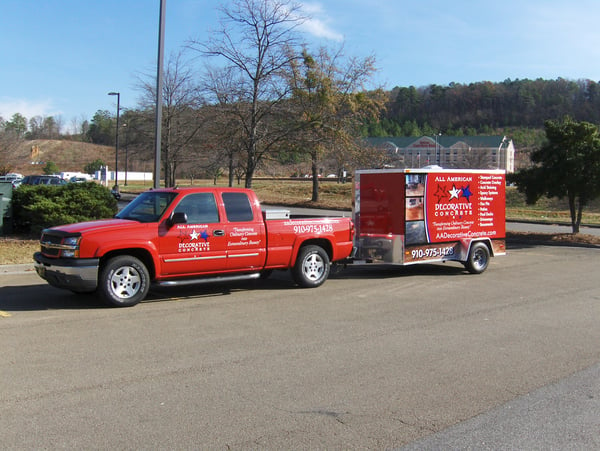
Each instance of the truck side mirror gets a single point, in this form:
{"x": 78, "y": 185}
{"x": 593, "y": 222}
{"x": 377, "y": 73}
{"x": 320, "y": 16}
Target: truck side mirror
{"x": 178, "y": 217}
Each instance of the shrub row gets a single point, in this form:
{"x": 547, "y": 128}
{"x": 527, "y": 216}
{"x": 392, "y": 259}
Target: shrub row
{"x": 38, "y": 207}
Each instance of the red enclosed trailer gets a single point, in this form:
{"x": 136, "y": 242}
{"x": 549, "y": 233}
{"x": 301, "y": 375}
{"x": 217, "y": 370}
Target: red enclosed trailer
{"x": 425, "y": 215}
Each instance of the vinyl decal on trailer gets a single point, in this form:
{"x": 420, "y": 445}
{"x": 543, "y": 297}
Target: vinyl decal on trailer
{"x": 449, "y": 207}
{"x": 463, "y": 206}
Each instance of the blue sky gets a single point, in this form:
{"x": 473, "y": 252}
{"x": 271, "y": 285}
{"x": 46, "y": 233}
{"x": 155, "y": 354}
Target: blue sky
{"x": 61, "y": 57}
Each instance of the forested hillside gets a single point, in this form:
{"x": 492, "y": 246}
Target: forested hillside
{"x": 486, "y": 107}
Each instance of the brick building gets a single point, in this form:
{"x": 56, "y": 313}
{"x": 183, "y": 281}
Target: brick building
{"x": 464, "y": 152}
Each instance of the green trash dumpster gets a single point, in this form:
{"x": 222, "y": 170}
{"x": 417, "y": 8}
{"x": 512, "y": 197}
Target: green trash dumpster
{"x": 6, "y": 190}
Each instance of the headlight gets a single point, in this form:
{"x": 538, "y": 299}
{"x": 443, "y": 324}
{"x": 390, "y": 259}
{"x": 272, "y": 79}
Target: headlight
{"x": 70, "y": 247}
{"x": 71, "y": 241}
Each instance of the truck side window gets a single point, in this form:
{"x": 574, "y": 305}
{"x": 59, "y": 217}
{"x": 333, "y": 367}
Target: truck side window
{"x": 200, "y": 208}
{"x": 237, "y": 207}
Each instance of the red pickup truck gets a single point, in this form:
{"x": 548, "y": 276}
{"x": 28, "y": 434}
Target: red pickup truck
{"x": 186, "y": 236}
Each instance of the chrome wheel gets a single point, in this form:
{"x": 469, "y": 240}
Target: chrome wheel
{"x": 312, "y": 267}
{"x": 124, "y": 281}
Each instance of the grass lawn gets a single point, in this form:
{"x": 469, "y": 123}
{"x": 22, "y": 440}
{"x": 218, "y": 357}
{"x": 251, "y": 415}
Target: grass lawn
{"x": 332, "y": 195}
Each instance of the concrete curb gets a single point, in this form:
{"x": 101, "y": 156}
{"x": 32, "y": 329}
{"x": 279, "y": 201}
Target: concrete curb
{"x": 7, "y": 270}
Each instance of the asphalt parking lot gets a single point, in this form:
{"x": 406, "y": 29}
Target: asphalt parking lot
{"x": 425, "y": 356}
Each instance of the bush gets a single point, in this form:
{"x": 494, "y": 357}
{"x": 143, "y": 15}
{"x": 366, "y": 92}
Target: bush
{"x": 38, "y": 207}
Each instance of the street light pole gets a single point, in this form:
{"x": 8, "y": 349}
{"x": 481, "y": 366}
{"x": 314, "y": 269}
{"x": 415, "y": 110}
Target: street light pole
{"x": 126, "y": 150}
{"x": 118, "y": 94}
{"x": 438, "y": 151}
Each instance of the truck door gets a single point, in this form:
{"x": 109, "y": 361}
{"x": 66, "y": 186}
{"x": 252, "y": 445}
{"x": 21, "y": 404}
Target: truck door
{"x": 245, "y": 231}
{"x": 199, "y": 245}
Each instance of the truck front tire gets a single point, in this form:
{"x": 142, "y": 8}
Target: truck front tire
{"x": 479, "y": 258}
{"x": 312, "y": 267}
{"x": 124, "y": 281}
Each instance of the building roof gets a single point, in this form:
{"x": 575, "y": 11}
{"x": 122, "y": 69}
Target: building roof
{"x": 403, "y": 142}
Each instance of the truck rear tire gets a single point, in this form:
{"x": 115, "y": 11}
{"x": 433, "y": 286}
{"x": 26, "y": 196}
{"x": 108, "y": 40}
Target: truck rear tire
{"x": 479, "y": 258}
{"x": 312, "y": 267}
{"x": 124, "y": 281}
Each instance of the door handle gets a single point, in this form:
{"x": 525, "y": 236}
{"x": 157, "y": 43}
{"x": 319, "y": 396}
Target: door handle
{"x": 219, "y": 232}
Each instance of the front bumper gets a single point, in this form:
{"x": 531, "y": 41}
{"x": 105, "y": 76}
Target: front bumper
{"x": 75, "y": 274}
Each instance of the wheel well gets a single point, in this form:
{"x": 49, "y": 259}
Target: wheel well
{"x": 485, "y": 241}
{"x": 141, "y": 254}
{"x": 321, "y": 242}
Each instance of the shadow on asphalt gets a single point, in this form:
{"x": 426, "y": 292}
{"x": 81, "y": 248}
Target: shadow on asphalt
{"x": 536, "y": 240}
{"x": 42, "y": 297}
{"x": 383, "y": 271}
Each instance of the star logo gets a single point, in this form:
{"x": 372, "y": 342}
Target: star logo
{"x": 194, "y": 235}
{"x": 204, "y": 235}
{"x": 440, "y": 193}
{"x": 466, "y": 193}
{"x": 454, "y": 193}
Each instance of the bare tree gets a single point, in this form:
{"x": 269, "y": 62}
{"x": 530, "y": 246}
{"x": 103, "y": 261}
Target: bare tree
{"x": 182, "y": 101}
{"x": 256, "y": 44}
{"x": 224, "y": 137}
{"x": 44, "y": 127}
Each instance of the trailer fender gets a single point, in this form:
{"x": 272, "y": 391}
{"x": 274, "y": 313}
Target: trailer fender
{"x": 477, "y": 255}
{"x": 466, "y": 245}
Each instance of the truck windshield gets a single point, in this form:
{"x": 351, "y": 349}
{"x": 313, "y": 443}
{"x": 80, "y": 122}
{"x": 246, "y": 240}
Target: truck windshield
{"x": 147, "y": 207}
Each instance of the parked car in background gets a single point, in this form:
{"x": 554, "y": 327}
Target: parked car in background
{"x": 115, "y": 192}
{"x": 13, "y": 178}
{"x": 78, "y": 180}
{"x": 42, "y": 180}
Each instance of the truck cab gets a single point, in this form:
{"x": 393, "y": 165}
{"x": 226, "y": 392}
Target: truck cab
{"x": 184, "y": 236}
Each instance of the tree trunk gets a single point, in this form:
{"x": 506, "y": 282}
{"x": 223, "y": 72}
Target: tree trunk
{"x": 315, "y": 179}
{"x": 575, "y": 211}
{"x": 167, "y": 167}
{"x": 251, "y": 164}
{"x": 173, "y": 174}
{"x": 231, "y": 174}
{"x": 579, "y": 215}
{"x": 249, "y": 172}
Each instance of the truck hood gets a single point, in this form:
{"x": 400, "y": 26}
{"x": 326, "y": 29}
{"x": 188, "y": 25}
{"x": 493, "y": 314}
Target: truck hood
{"x": 103, "y": 225}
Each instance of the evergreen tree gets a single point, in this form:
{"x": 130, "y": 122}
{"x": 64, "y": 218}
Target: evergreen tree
{"x": 568, "y": 165}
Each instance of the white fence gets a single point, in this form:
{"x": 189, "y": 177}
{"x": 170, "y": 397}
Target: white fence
{"x": 105, "y": 176}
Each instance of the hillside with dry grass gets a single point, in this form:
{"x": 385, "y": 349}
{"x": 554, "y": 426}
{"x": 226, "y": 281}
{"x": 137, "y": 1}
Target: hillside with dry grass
{"x": 70, "y": 156}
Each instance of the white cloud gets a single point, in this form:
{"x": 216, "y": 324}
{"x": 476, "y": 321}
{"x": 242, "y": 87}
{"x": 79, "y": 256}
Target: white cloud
{"x": 317, "y": 24}
{"x": 27, "y": 108}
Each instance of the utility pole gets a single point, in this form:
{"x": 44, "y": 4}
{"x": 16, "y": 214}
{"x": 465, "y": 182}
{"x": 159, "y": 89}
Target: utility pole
{"x": 159, "y": 88}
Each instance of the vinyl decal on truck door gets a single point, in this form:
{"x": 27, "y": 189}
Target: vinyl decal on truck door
{"x": 246, "y": 246}
{"x": 198, "y": 246}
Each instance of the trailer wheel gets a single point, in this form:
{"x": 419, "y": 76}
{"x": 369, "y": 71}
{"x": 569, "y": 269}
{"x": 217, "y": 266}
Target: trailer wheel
{"x": 124, "y": 281}
{"x": 312, "y": 267}
{"x": 479, "y": 258}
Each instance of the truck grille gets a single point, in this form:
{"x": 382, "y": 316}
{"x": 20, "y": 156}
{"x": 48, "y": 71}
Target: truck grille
{"x": 50, "y": 244}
